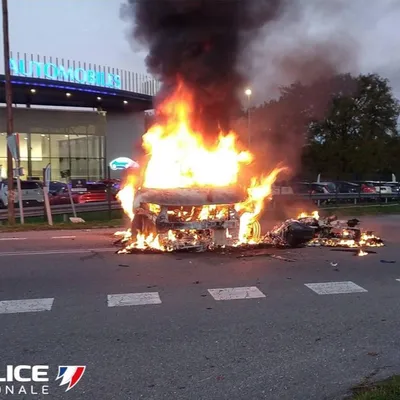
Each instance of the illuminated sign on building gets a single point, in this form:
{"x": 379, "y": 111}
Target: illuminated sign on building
{"x": 122, "y": 163}
{"x": 57, "y": 72}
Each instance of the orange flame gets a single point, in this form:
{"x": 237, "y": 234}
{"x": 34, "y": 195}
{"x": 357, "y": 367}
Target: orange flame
{"x": 314, "y": 214}
{"x": 127, "y": 194}
{"x": 178, "y": 157}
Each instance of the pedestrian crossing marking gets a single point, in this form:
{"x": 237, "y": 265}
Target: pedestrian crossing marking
{"x": 133, "y": 299}
{"x": 25, "y": 306}
{"x": 236, "y": 293}
{"x": 335, "y": 287}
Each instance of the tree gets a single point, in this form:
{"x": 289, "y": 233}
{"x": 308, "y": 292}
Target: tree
{"x": 279, "y": 127}
{"x": 358, "y": 137}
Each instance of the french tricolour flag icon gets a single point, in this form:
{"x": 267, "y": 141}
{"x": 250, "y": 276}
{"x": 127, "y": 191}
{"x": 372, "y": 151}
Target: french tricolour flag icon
{"x": 70, "y": 374}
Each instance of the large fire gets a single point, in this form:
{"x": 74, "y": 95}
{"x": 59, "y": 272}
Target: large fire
{"x": 178, "y": 157}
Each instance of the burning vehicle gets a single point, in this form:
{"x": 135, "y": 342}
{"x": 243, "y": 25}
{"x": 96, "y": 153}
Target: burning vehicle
{"x": 188, "y": 217}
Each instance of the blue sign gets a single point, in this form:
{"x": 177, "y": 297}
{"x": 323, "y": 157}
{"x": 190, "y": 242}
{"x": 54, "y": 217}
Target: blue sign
{"x": 36, "y": 69}
{"x": 122, "y": 163}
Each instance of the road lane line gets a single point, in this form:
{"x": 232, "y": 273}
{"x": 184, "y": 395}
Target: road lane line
{"x": 12, "y": 238}
{"x": 25, "y": 306}
{"x": 63, "y": 237}
{"x": 60, "y": 251}
{"x": 236, "y": 293}
{"x": 133, "y": 299}
{"x": 335, "y": 287}
{"x": 398, "y": 280}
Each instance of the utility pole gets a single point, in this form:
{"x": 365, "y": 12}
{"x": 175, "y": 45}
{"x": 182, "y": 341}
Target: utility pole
{"x": 248, "y": 93}
{"x": 9, "y": 112}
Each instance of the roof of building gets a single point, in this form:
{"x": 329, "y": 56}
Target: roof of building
{"x": 54, "y": 81}
{"x": 55, "y": 93}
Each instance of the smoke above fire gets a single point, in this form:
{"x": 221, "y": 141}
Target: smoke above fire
{"x": 200, "y": 42}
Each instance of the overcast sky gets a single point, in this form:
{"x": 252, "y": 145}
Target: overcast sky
{"x": 92, "y": 31}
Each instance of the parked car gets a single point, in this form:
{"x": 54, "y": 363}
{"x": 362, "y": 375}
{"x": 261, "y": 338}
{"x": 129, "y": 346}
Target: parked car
{"x": 314, "y": 188}
{"x": 56, "y": 187}
{"x": 395, "y": 187}
{"x": 93, "y": 192}
{"x": 379, "y": 187}
{"x": 115, "y": 184}
{"x": 347, "y": 187}
{"x": 32, "y": 193}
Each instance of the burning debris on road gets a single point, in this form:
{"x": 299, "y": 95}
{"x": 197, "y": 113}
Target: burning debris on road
{"x": 214, "y": 235}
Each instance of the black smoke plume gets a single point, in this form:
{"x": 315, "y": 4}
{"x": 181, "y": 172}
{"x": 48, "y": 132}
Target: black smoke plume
{"x": 199, "y": 42}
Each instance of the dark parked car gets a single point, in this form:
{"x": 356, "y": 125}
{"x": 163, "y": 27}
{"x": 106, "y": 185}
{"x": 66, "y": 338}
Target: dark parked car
{"x": 56, "y": 187}
{"x": 347, "y": 187}
{"x": 314, "y": 188}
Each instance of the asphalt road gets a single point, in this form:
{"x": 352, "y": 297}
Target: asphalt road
{"x": 282, "y": 341}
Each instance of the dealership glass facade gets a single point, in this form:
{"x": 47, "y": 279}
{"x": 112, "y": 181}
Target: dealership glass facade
{"x": 83, "y": 155}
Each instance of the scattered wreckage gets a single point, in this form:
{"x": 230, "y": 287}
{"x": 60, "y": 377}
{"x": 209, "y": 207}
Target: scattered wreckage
{"x": 204, "y": 219}
{"x": 311, "y": 230}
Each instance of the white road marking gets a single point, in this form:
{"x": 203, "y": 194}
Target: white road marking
{"x": 133, "y": 299}
{"x": 398, "y": 280}
{"x": 52, "y": 252}
{"x": 25, "y": 306}
{"x": 335, "y": 287}
{"x": 12, "y": 238}
{"x": 63, "y": 237}
{"x": 237, "y": 293}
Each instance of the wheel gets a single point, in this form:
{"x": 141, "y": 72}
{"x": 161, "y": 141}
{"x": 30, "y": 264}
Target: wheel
{"x": 2, "y": 206}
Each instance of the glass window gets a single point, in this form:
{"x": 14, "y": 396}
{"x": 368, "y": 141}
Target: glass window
{"x": 94, "y": 146}
{"x": 3, "y": 145}
{"x": 81, "y": 154}
{"x": 39, "y": 154}
{"x": 29, "y": 185}
{"x": 78, "y": 146}
{"x": 23, "y": 153}
{"x": 3, "y": 168}
{"x": 23, "y": 146}
{"x": 96, "y": 169}
{"x": 59, "y": 155}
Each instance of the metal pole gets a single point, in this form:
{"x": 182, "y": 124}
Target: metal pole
{"x": 10, "y": 124}
{"x": 20, "y": 202}
{"x": 248, "y": 120}
{"x": 109, "y": 192}
{"x": 67, "y": 180}
{"x": 46, "y": 179}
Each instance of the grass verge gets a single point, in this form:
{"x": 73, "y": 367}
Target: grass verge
{"x": 388, "y": 389}
{"x": 363, "y": 210}
{"x": 101, "y": 219}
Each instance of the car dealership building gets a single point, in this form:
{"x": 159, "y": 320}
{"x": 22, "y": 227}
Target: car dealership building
{"x": 77, "y": 116}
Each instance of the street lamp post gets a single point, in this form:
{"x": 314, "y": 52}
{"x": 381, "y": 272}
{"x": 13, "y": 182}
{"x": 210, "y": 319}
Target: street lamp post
{"x": 9, "y": 110}
{"x": 248, "y": 93}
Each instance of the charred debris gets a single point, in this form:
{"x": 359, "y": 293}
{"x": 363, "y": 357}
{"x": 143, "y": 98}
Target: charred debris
{"x": 305, "y": 231}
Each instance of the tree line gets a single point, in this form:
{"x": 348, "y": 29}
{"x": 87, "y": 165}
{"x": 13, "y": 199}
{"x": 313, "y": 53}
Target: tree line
{"x": 343, "y": 127}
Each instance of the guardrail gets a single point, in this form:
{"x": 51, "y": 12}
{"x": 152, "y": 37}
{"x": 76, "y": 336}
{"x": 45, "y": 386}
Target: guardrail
{"x": 324, "y": 199}
{"x": 338, "y": 199}
{"x": 344, "y": 196}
